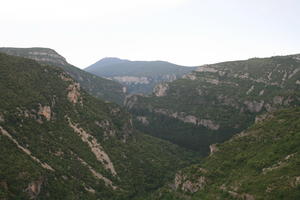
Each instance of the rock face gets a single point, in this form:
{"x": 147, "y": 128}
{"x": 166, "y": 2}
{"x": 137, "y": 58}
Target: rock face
{"x": 161, "y": 90}
{"x": 74, "y": 93}
{"x": 73, "y": 89}
{"x": 131, "y": 79}
{"x": 45, "y": 111}
{"x": 189, "y": 119}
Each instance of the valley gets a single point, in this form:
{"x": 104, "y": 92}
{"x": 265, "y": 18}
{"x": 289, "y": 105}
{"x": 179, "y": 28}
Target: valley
{"x": 152, "y": 130}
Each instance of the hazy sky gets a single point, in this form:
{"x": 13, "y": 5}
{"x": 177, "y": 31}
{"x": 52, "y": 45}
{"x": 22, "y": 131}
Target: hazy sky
{"x": 186, "y": 32}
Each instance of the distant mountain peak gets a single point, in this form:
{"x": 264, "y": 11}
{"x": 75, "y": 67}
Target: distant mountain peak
{"x": 109, "y": 61}
{"x": 137, "y": 76}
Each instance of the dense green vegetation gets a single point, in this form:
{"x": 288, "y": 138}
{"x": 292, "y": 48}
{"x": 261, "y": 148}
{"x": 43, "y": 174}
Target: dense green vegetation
{"x": 216, "y": 101}
{"x": 36, "y": 110}
{"x": 152, "y": 72}
{"x": 99, "y": 87}
{"x": 59, "y": 142}
{"x": 261, "y": 163}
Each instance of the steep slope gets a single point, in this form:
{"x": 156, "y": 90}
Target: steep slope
{"x": 138, "y": 76}
{"x": 212, "y": 103}
{"x": 260, "y": 163}
{"x": 96, "y": 86}
{"x": 58, "y": 142}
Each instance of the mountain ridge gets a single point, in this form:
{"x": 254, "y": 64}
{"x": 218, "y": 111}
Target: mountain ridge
{"x": 97, "y": 86}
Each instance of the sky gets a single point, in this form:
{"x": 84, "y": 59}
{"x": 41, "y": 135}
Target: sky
{"x": 185, "y": 32}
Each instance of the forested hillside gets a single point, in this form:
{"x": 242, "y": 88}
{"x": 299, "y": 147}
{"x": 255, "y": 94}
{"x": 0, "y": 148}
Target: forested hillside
{"x": 58, "y": 142}
{"x": 260, "y": 163}
{"x": 216, "y": 101}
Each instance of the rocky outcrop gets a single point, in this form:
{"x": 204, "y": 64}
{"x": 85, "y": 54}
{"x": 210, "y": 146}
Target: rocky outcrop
{"x": 143, "y": 119}
{"x": 189, "y": 119}
{"x": 182, "y": 182}
{"x": 190, "y": 76}
{"x": 47, "y": 55}
{"x": 261, "y": 92}
{"x": 206, "y": 69}
{"x": 45, "y": 111}
{"x": 95, "y": 147}
{"x": 161, "y": 90}
{"x": 254, "y": 106}
{"x": 74, "y": 93}
{"x": 34, "y": 188}
{"x": 209, "y": 124}
{"x": 169, "y": 77}
{"x": 39, "y": 114}
{"x": 132, "y": 79}
{"x": 43, "y": 55}
{"x": 296, "y": 180}
{"x": 213, "y": 148}
{"x": 73, "y": 89}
